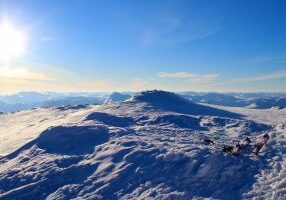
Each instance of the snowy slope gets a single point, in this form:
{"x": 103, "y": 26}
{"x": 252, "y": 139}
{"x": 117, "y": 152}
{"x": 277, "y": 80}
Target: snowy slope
{"x": 148, "y": 147}
{"x": 117, "y": 97}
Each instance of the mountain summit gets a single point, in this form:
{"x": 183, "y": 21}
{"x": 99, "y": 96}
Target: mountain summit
{"x": 169, "y": 101}
{"x": 159, "y": 97}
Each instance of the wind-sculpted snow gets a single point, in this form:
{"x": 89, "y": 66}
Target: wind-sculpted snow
{"x": 139, "y": 150}
{"x": 182, "y": 121}
{"x": 72, "y": 140}
{"x": 63, "y": 108}
{"x": 110, "y": 120}
{"x": 122, "y": 167}
{"x": 271, "y": 181}
{"x": 239, "y": 127}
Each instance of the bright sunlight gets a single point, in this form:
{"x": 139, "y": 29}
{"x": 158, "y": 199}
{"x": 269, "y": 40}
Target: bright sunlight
{"x": 13, "y": 42}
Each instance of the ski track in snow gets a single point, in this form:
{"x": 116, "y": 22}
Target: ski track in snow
{"x": 149, "y": 147}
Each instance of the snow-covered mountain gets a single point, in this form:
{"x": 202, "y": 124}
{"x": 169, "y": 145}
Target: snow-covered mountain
{"x": 28, "y": 100}
{"x": 249, "y": 100}
{"x": 117, "y": 97}
{"x": 72, "y": 101}
{"x": 151, "y": 146}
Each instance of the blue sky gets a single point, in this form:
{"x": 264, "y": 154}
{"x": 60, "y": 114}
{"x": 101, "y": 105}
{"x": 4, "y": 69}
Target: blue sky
{"x": 102, "y": 45}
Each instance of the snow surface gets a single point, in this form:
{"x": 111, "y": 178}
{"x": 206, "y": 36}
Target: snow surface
{"x": 117, "y": 97}
{"x": 148, "y": 147}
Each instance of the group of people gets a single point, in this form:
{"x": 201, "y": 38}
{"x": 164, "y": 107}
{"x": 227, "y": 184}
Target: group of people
{"x": 235, "y": 150}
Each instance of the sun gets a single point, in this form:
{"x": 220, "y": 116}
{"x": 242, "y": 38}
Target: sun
{"x": 13, "y": 42}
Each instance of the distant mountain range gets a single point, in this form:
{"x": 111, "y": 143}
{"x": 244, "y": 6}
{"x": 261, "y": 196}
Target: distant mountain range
{"x": 249, "y": 100}
{"x": 28, "y": 100}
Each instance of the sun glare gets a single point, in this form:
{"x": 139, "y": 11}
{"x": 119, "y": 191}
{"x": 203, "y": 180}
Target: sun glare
{"x": 13, "y": 42}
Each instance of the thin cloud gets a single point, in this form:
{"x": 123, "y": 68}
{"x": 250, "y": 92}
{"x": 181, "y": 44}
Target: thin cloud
{"x": 176, "y": 75}
{"x": 137, "y": 84}
{"x": 22, "y": 73}
{"x": 97, "y": 85}
{"x": 183, "y": 81}
{"x": 186, "y": 75}
{"x": 270, "y": 76}
{"x": 267, "y": 59}
{"x": 50, "y": 38}
{"x": 175, "y": 30}
{"x": 210, "y": 76}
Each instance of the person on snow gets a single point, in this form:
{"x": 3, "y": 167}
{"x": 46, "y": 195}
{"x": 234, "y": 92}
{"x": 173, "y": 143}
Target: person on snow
{"x": 241, "y": 145}
{"x": 238, "y": 147}
{"x": 235, "y": 150}
{"x": 209, "y": 142}
{"x": 260, "y": 143}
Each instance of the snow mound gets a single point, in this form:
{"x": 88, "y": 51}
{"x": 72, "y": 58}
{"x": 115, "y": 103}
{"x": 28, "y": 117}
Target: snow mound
{"x": 111, "y": 120}
{"x": 117, "y": 97}
{"x": 245, "y": 126}
{"x": 181, "y": 121}
{"x": 70, "y": 140}
{"x": 252, "y": 106}
{"x": 73, "y": 139}
{"x": 71, "y": 107}
{"x": 169, "y": 101}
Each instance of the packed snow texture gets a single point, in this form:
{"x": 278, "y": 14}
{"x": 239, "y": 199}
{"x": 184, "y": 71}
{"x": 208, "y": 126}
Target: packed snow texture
{"x": 151, "y": 146}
